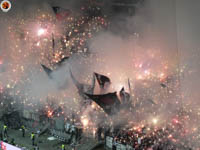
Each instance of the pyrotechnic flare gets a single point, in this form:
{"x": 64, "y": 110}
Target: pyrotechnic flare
{"x": 57, "y": 111}
{"x": 85, "y": 122}
{"x": 41, "y": 32}
{"x": 155, "y": 121}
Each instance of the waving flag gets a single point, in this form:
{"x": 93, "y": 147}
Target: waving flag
{"x": 47, "y": 70}
{"x": 108, "y": 102}
{"x": 53, "y": 42}
{"x": 102, "y": 80}
{"x": 83, "y": 88}
{"x": 125, "y": 97}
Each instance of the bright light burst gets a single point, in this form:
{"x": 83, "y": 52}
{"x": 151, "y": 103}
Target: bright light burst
{"x": 85, "y": 122}
{"x": 41, "y": 32}
{"x": 155, "y": 121}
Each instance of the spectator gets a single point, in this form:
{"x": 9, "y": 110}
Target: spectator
{"x": 36, "y": 147}
{"x": 13, "y": 142}
{"x": 23, "y": 131}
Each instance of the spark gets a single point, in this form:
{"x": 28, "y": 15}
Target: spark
{"x": 85, "y": 122}
{"x": 38, "y": 44}
{"x": 93, "y": 105}
{"x": 162, "y": 75}
{"x": 8, "y": 85}
{"x": 175, "y": 121}
{"x": 50, "y": 113}
{"x": 41, "y": 32}
{"x": 155, "y": 120}
{"x": 147, "y": 72}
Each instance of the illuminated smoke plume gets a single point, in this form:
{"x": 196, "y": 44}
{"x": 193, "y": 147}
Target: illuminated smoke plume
{"x": 144, "y": 48}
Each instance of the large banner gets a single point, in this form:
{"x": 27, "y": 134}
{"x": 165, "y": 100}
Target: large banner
{"x": 6, "y": 146}
{"x": 120, "y": 146}
{"x": 109, "y": 142}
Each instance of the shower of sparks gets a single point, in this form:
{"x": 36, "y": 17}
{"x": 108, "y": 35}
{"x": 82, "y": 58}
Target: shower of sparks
{"x": 148, "y": 71}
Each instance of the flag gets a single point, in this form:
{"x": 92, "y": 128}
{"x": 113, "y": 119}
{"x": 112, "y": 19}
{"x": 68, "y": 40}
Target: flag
{"x": 93, "y": 84}
{"x": 163, "y": 85}
{"x": 151, "y": 101}
{"x": 77, "y": 84}
{"x": 122, "y": 91}
{"x": 167, "y": 80}
{"x": 61, "y": 13}
{"x": 102, "y": 80}
{"x": 47, "y": 70}
{"x": 83, "y": 88}
{"x": 108, "y": 102}
{"x": 125, "y": 97}
{"x": 129, "y": 86}
{"x": 53, "y": 42}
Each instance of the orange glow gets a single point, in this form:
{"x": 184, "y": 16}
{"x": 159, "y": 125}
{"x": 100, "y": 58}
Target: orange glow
{"x": 50, "y": 113}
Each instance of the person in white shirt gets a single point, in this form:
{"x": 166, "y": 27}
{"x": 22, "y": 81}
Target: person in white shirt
{"x": 67, "y": 127}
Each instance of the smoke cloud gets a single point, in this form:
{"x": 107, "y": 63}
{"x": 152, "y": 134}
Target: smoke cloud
{"x": 156, "y": 45}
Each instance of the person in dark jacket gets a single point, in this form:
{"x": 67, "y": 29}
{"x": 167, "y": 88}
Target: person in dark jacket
{"x": 13, "y": 142}
{"x": 23, "y": 131}
{"x": 36, "y": 147}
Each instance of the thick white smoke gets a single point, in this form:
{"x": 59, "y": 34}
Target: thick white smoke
{"x": 160, "y": 41}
